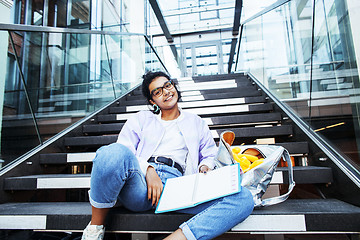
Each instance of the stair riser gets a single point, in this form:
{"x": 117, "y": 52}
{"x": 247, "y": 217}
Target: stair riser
{"x": 292, "y": 216}
{"x": 207, "y": 94}
{"x": 186, "y": 86}
{"x": 199, "y": 100}
{"x": 82, "y": 181}
{"x": 294, "y": 148}
{"x": 231, "y": 109}
{"x": 239, "y": 133}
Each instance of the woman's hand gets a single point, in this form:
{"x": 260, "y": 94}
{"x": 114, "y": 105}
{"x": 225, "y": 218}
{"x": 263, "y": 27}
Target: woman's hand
{"x": 204, "y": 169}
{"x": 154, "y": 185}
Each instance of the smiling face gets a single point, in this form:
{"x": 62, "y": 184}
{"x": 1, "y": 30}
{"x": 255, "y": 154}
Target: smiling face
{"x": 169, "y": 97}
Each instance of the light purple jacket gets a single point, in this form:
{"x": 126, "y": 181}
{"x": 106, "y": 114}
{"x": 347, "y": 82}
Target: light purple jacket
{"x": 143, "y": 132}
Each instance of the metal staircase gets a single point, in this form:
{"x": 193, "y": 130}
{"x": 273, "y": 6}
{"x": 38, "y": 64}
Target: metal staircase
{"x": 48, "y": 192}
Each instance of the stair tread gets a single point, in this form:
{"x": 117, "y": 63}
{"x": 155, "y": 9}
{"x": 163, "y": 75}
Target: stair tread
{"x": 216, "y": 120}
{"x": 244, "y": 132}
{"x": 198, "y": 101}
{"x": 90, "y": 140}
{"x": 236, "y": 120}
{"x": 290, "y": 206}
{"x": 257, "y": 132}
{"x": 212, "y": 110}
{"x": 213, "y": 93}
{"x": 189, "y": 86}
{"x": 302, "y": 175}
{"x": 63, "y": 158}
{"x": 224, "y": 103}
{"x": 311, "y": 215}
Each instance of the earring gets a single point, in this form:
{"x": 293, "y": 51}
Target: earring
{"x": 156, "y": 109}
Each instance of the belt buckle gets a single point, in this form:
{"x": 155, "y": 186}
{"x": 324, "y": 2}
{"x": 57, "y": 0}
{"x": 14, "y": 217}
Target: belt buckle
{"x": 156, "y": 161}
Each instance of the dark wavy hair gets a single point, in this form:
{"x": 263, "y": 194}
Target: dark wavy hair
{"x": 147, "y": 80}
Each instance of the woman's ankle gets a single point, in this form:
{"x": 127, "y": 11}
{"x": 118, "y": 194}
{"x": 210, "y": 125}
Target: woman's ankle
{"x": 98, "y": 216}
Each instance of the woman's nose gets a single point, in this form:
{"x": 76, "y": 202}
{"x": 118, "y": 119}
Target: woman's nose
{"x": 165, "y": 91}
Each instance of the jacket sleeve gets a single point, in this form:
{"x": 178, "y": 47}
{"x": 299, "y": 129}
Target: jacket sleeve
{"x": 130, "y": 136}
{"x": 207, "y": 147}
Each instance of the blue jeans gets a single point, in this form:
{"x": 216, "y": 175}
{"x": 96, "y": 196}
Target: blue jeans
{"x": 116, "y": 176}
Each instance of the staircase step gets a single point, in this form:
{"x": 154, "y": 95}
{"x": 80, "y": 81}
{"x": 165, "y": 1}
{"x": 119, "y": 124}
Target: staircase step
{"x": 302, "y": 175}
{"x": 65, "y": 158}
{"x": 220, "y": 76}
{"x": 209, "y": 111}
{"x": 187, "y": 86}
{"x": 200, "y": 101}
{"x": 240, "y": 120}
{"x": 250, "y": 119}
{"x": 237, "y": 82}
{"x": 48, "y": 181}
{"x": 293, "y": 215}
{"x": 90, "y": 141}
{"x": 294, "y": 148}
{"x": 256, "y": 132}
{"x": 236, "y": 120}
{"x": 245, "y": 132}
{"x": 197, "y": 95}
{"x": 238, "y": 92}
{"x": 103, "y": 128}
{"x": 202, "y": 104}
{"x": 305, "y": 175}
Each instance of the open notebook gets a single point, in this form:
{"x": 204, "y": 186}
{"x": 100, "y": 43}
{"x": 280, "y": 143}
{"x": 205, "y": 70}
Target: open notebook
{"x": 191, "y": 190}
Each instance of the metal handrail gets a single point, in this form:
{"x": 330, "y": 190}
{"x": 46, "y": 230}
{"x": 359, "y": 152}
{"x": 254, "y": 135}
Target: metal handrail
{"x": 157, "y": 55}
{"x": 266, "y": 10}
{"x": 29, "y": 28}
{"x": 339, "y": 160}
{"x": 54, "y": 138}
{"x": 262, "y": 12}
{"x": 42, "y": 29}
{"x": 25, "y": 89}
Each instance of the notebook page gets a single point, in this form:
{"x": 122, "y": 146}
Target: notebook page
{"x": 219, "y": 183}
{"x": 177, "y": 193}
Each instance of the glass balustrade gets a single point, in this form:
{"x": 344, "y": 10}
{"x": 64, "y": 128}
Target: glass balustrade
{"x": 305, "y": 54}
{"x": 54, "y": 78}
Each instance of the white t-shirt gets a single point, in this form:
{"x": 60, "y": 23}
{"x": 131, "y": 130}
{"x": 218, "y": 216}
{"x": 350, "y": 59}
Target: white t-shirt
{"x": 172, "y": 144}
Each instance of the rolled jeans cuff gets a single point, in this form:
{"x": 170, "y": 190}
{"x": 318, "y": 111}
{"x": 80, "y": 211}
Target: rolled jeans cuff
{"x": 100, "y": 205}
{"x": 187, "y": 232}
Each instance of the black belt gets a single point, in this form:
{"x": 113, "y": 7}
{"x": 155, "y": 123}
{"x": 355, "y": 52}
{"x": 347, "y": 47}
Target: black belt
{"x": 166, "y": 161}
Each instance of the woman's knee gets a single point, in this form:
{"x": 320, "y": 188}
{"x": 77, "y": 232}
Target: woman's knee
{"x": 249, "y": 198}
{"x": 243, "y": 201}
{"x": 112, "y": 156}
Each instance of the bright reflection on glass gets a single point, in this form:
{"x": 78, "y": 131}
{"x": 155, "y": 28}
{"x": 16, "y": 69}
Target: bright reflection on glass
{"x": 67, "y": 76}
{"x": 319, "y": 79}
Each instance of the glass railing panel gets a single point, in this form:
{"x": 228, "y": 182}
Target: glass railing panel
{"x": 335, "y": 81}
{"x": 156, "y": 56}
{"x": 123, "y": 61}
{"x": 67, "y": 76}
{"x": 190, "y": 16}
{"x": 276, "y": 49}
{"x": 18, "y": 131}
{"x": 312, "y": 70}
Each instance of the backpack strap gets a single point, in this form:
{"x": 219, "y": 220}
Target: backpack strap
{"x": 281, "y": 198}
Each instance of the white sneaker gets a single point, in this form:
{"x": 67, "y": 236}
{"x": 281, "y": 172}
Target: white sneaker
{"x": 93, "y": 232}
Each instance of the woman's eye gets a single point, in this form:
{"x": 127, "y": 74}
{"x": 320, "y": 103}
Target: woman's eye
{"x": 156, "y": 92}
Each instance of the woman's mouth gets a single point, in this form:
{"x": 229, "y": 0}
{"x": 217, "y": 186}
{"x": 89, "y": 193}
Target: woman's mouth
{"x": 169, "y": 98}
